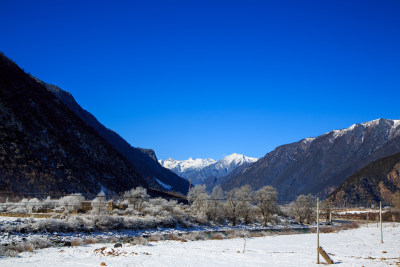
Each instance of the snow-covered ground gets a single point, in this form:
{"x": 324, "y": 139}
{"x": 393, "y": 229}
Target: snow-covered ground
{"x": 356, "y": 247}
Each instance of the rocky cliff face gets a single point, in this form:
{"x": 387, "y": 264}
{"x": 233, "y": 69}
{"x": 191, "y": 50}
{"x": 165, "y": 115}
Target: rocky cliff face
{"x": 319, "y": 165}
{"x": 200, "y": 170}
{"x": 376, "y": 182}
{"x": 143, "y": 160}
{"x": 45, "y": 148}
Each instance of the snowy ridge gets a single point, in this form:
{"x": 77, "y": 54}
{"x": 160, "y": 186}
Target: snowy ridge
{"x": 186, "y": 165}
{"x": 336, "y": 155}
{"x": 197, "y": 170}
{"x": 394, "y": 126}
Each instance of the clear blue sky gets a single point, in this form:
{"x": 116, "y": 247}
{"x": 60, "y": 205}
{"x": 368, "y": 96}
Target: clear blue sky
{"x": 209, "y": 78}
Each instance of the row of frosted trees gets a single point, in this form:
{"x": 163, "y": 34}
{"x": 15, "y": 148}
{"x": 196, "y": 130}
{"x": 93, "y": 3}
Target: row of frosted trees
{"x": 245, "y": 205}
{"x": 239, "y": 205}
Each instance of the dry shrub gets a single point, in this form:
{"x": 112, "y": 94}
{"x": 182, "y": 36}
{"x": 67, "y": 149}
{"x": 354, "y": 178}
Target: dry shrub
{"x": 237, "y": 234}
{"x": 139, "y": 241}
{"x": 11, "y": 253}
{"x": 22, "y": 247}
{"x": 328, "y": 230}
{"x": 76, "y": 242}
{"x": 195, "y": 236}
{"x": 39, "y": 243}
{"x": 177, "y": 237}
{"x": 256, "y": 234}
{"x": 156, "y": 238}
{"x": 90, "y": 240}
{"x": 352, "y": 225}
{"x": 267, "y": 233}
{"x": 173, "y": 236}
{"x": 217, "y": 236}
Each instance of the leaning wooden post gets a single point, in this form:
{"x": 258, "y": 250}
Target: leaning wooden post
{"x": 317, "y": 230}
{"x": 380, "y": 219}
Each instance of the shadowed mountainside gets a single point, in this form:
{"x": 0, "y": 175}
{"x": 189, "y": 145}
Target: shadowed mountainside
{"x": 143, "y": 160}
{"x": 45, "y": 148}
{"x": 376, "y": 182}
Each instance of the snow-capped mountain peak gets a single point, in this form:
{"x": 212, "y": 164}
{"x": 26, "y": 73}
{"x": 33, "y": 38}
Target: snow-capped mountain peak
{"x": 186, "y": 165}
{"x": 197, "y": 170}
{"x": 237, "y": 159}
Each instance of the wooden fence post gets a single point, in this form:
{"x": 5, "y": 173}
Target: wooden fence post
{"x": 380, "y": 219}
{"x": 318, "y": 230}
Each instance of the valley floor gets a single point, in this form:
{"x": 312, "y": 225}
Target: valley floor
{"x": 355, "y": 247}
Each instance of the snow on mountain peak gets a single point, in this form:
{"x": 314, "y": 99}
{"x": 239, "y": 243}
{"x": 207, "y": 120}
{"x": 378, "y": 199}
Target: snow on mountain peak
{"x": 185, "y": 165}
{"x": 237, "y": 159}
{"x": 197, "y": 170}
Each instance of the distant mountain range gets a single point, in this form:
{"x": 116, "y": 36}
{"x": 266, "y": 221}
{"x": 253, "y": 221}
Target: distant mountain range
{"x": 319, "y": 165}
{"x": 198, "y": 170}
{"x": 51, "y": 145}
{"x": 143, "y": 160}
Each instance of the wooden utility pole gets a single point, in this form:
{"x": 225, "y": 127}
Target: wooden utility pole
{"x": 317, "y": 230}
{"x": 380, "y": 219}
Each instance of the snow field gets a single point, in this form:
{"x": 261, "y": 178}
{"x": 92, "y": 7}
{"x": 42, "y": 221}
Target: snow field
{"x": 356, "y": 247}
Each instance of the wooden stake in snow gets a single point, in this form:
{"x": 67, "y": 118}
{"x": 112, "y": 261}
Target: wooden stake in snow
{"x": 380, "y": 219}
{"x": 325, "y": 255}
{"x": 317, "y": 230}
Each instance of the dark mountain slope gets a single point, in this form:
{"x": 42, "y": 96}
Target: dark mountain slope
{"x": 373, "y": 183}
{"x": 46, "y": 148}
{"x": 319, "y": 165}
{"x": 143, "y": 160}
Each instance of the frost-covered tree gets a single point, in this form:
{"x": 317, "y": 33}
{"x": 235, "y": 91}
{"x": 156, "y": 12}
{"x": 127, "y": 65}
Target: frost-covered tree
{"x": 33, "y": 205}
{"x": 198, "y": 197}
{"x": 215, "y": 207}
{"x": 326, "y": 207}
{"x": 49, "y": 203}
{"x": 303, "y": 208}
{"x": 99, "y": 204}
{"x": 232, "y": 205}
{"x": 71, "y": 203}
{"x": 136, "y": 197}
{"x": 266, "y": 201}
{"x": 246, "y": 209}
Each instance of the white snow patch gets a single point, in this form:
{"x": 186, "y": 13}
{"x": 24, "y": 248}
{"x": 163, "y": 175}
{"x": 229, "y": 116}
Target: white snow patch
{"x": 237, "y": 159}
{"x": 356, "y": 247}
{"x": 166, "y": 186}
{"x": 186, "y": 165}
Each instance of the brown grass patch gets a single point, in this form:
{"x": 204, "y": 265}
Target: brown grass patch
{"x": 76, "y": 242}
{"x": 90, "y": 241}
{"x": 217, "y": 236}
